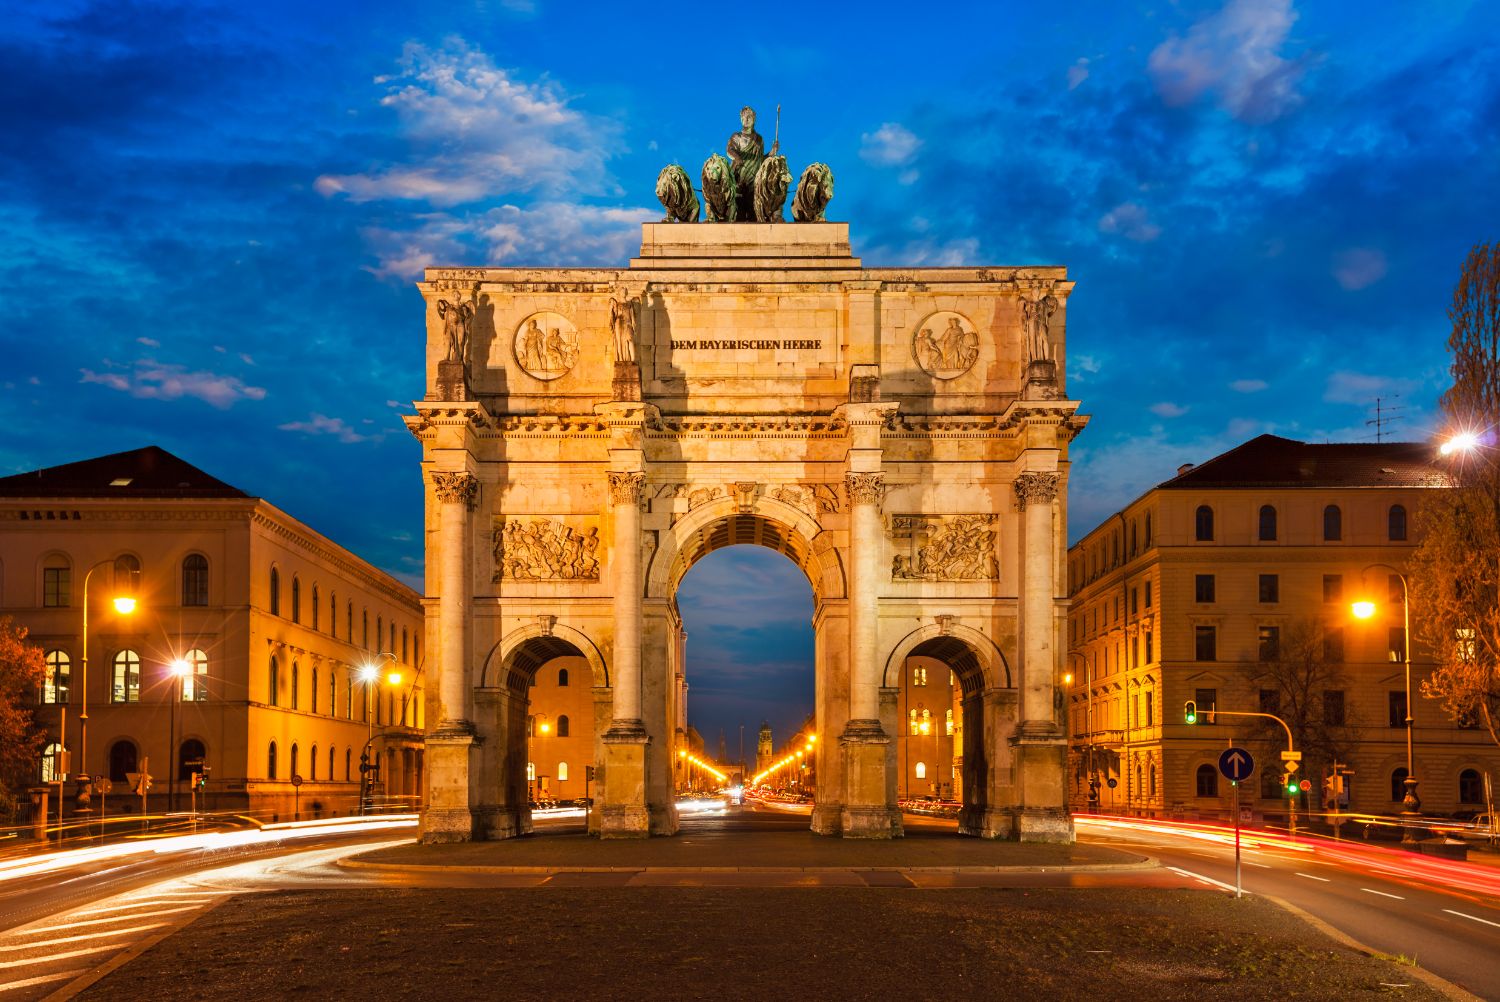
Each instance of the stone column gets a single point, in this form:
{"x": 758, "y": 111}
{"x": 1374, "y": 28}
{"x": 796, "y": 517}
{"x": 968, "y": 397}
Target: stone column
{"x": 449, "y": 816}
{"x": 623, "y": 813}
{"x": 867, "y": 812}
{"x": 1042, "y": 744}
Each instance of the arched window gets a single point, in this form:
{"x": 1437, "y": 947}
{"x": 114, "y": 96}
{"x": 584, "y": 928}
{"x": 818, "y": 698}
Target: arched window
{"x": 1470, "y": 787}
{"x": 333, "y": 614}
{"x": 296, "y": 687}
{"x": 562, "y": 678}
{"x": 330, "y": 763}
{"x": 1267, "y": 523}
{"x": 914, "y": 726}
{"x": 921, "y": 770}
{"x": 562, "y": 771}
{"x": 271, "y": 762}
{"x": 1333, "y": 524}
{"x": 562, "y": 726}
{"x": 1204, "y": 524}
{"x": 392, "y": 647}
{"x": 333, "y": 694}
{"x": 49, "y": 762}
{"x": 296, "y": 599}
{"x": 405, "y": 639}
{"x": 273, "y": 683}
{"x": 347, "y": 753}
{"x": 531, "y": 772}
{"x": 312, "y": 764}
{"x": 1208, "y": 781}
{"x": 122, "y": 761}
{"x": 948, "y": 724}
{"x": 314, "y": 691}
{"x": 275, "y": 592}
{"x": 191, "y": 756}
{"x": 1148, "y": 530}
{"x": 195, "y": 580}
{"x": 1398, "y": 785}
{"x": 315, "y": 607}
{"x": 926, "y": 721}
{"x": 126, "y": 681}
{"x": 379, "y": 629}
{"x": 1151, "y": 779}
{"x": 1132, "y": 540}
{"x": 58, "y": 678}
{"x": 364, "y": 629}
{"x": 1395, "y": 523}
{"x": 349, "y": 622}
{"x": 295, "y": 758}
{"x": 195, "y": 682}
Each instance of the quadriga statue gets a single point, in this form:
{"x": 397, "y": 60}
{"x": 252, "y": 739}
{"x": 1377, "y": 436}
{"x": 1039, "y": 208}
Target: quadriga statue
{"x": 719, "y": 189}
{"x": 676, "y": 194}
{"x": 814, "y": 192}
{"x": 771, "y": 184}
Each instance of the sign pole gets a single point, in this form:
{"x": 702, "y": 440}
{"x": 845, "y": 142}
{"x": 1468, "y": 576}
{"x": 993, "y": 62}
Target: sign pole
{"x": 1237, "y": 890}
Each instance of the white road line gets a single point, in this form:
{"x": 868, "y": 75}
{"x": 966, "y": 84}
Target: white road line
{"x": 1371, "y": 890}
{"x": 1474, "y": 918}
{"x": 105, "y": 921}
{"x": 61, "y": 956}
{"x": 1309, "y": 876}
{"x": 43, "y": 979}
{"x": 123, "y": 908}
{"x": 1251, "y": 862}
{"x": 1199, "y": 876}
{"x": 87, "y": 935}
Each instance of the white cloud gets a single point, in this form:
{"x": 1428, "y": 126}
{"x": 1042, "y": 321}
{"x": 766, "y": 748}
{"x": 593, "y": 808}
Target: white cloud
{"x": 321, "y": 424}
{"x": 1232, "y": 53}
{"x": 1346, "y": 387}
{"x": 1078, "y": 73}
{"x": 1359, "y": 267}
{"x": 1130, "y": 221}
{"x": 149, "y": 342}
{"x": 1248, "y": 385}
{"x": 150, "y": 380}
{"x": 1167, "y": 409}
{"x": 891, "y": 145}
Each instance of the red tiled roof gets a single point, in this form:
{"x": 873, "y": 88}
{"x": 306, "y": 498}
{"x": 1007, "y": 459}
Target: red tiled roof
{"x": 1270, "y": 461}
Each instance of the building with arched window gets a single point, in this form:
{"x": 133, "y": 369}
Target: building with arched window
{"x": 225, "y": 587}
{"x": 1270, "y": 537}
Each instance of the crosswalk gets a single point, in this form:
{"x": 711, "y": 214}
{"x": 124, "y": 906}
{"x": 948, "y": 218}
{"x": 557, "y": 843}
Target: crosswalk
{"x": 49, "y": 956}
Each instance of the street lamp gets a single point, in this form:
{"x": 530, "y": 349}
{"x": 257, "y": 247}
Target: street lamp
{"x": 1462, "y": 443}
{"x": 1411, "y": 806}
{"x": 1088, "y": 677}
{"x": 176, "y": 671}
{"x": 540, "y": 726}
{"x": 124, "y": 604}
{"x": 369, "y": 674}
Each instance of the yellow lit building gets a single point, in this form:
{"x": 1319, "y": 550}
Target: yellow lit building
{"x": 258, "y": 625}
{"x": 1182, "y": 596}
{"x": 560, "y": 729}
{"x": 929, "y": 711}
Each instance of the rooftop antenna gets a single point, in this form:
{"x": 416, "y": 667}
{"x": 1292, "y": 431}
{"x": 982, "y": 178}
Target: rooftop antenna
{"x": 1384, "y": 414}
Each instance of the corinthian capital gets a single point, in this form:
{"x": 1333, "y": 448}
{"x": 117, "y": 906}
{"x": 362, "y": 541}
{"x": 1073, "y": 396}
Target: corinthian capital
{"x": 456, "y": 488}
{"x": 865, "y": 488}
{"x": 1035, "y": 488}
{"x": 627, "y": 488}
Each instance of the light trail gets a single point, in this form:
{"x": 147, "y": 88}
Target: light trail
{"x": 80, "y": 937}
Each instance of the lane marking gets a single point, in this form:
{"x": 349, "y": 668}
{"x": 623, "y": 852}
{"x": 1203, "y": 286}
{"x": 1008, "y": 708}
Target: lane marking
{"x": 124, "y": 908}
{"x": 1309, "y": 876}
{"x": 1199, "y": 876}
{"x": 42, "y": 979}
{"x": 106, "y": 921}
{"x": 1263, "y": 866}
{"x": 1474, "y": 918}
{"x": 82, "y": 936}
{"x": 60, "y": 956}
{"x": 1383, "y": 894}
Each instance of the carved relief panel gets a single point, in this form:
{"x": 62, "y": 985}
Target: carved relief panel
{"x": 944, "y": 548}
{"x": 546, "y": 345}
{"x": 945, "y": 345}
{"x": 545, "y": 549}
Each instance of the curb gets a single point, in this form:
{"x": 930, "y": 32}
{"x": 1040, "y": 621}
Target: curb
{"x": 1436, "y": 982}
{"x": 78, "y": 985}
{"x": 354, "y": 863}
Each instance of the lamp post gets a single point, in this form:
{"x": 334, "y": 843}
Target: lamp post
{"x": 1411, "y": 806}
{"x": 1088, "y": 676}
{"x": 539, "y": 726}
{"x": 175, "y": 672}
{"x": 124, "y": 605}
{"x": 369, "y": 674}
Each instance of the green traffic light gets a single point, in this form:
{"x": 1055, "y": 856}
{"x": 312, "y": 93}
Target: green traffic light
{"x": 1293, "y": 788}
{"x": 1190, "y": 712}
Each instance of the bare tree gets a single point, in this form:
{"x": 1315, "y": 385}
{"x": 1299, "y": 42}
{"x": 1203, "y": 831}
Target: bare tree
{"x": 1302, "y": 681}
{"x": 1455, "y": 577}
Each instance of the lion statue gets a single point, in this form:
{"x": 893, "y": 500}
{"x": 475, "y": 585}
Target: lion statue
{"x": 814, "y": 192}
{"x": 676, "y": 194}
{"x": 718, "y": 189}
{"x": 771, "y": 183}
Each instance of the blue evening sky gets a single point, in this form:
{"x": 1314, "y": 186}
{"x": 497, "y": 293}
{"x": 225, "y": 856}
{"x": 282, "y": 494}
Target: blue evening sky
{"x": 211, "y": 216}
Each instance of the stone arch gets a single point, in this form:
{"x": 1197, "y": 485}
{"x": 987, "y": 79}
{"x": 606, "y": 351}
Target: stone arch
{"x": 768, "y": 522}
{"x": 976, "y": 659}
{"x": 512, "y": 662}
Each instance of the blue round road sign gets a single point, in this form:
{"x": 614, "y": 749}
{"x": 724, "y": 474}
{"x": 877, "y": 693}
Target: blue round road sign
{"x": 1236, "y": 764}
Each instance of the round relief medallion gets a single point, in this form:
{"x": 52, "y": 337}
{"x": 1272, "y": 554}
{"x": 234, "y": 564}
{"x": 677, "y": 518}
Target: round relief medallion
{"x": 546, "y": 345}
{"x": 945, "y": 345}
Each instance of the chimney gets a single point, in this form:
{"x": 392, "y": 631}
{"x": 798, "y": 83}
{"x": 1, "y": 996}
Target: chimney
{"x": 1184, "y": 468}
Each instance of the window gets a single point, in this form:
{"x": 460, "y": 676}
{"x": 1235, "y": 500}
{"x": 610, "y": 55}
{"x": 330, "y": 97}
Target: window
{"x": 393, "y": 639}
{"x": 562, "y": 772}
{"x": 349, "y": 700}
{"x": 1268, "y": 643}
{"x": 275, "y": 592}
{"x": 295, "y": 760}
{"x": 1333, "y": 588}
{"x": 195, "y": 682}
{"x": 1470, "y": 787}
{"x": 330, "y": 763}
{"x": 404, "y": 639}
{"x": 919, "y": 676}
{"x": 1333, "y": 707}
{"x": 1396, "y": 643}
{"x": 296, "y": 599}
{"x": 948, "y": 723}
{"x": 312, "y": 764}
{"x": 315, "y": 626}
{"x": 1398, "y": 784}
{"x": 58, "y": 676}
{"x": 1151, "y": 779}
{"x": 364, "y": 629}
{"x": 296, "y": 687}
{"x": 1267, "y": 524}
{"x": 912, "y": 715}
{"x": 273, "y": 683}
{"x": 314, "y": 690}
{"x": 347, "y": 754}
{"x": 126, "y": 680}
{"x": 1270, "y": 702}
{"x": 57, "y": 587}
{"x": 191, "y": 756}
{"x": 271, "y": 762}
{"x": 49, "y": 762}
{"x": 1208, "y": 781}
{"x": 349, "y": 622}
{"x": 333, "y": 614}
{"x": 1204, "y": 524}
{"x": 1207, "y": 700}
{"x": 562, "y": 678}
{"x": 122, "y": 761}
{"x": 1205, "y": 643}
{"x": 1333, "y": 524}
{"x": 1203, "y": 587}
{"x": 1148, "y": 594}
{"x": 379, "y": 629}
{"x": 1395, "y": 703}
{"x": 1270, "y": 588}
{"x": 1149, "y": 654}
{"x": 1135, "y": 605}
{"x": 562, "y": 727}
{"x": 195, "y": 580}
{"x": 921, "y": 770}
{"x": 1333, "y": 644}
{"x": 1395, "y": 523}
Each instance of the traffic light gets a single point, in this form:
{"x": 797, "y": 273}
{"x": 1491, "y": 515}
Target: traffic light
{"x": 1292, "y": 786}
{"x": 1190, "y": 712}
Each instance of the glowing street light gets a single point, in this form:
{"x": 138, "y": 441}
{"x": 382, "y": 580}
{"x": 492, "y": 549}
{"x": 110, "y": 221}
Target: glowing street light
{"x": 124, "y": 604}
{"x": 1411, "y": 806}
{"x": 176, "y": 671}
{"x": 1363, "y": 609}
{"x": 1464, "y": 442}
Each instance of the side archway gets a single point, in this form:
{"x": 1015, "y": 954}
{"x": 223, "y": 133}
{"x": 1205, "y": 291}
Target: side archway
{"x": 513, "y": 661}
{"x": 976, "y": 659}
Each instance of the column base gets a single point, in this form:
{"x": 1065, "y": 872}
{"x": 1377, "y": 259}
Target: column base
{"x": 1045, "y": 824}
{"x": 1043, "y": 755}
{"x": 867, "y": 811}
{"x": 871, "y": 822}
{"x": 663, "y": 818}
{"x": 449, "y": 816}
{"x": 827, "y": 819}
{"x": 987, "y": 822}
{"x": 622, "y": 808}
{"x": 494, "y": 824}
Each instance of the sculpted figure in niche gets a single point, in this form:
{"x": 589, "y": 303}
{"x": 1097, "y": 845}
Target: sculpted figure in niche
{"x": 622, "y": 321}
{"x": 456, "y": 318}
{"x": 560, "y": 354}
{"x": 746, "y": 151}
{"x": 532, "y": 341}
{"x": 1036, "y": 320}
{"x": 946, "y": 352}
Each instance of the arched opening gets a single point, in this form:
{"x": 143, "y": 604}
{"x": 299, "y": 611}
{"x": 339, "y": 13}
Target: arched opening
{"x": 122, "y": 761}
{"x": 191, "y": 755}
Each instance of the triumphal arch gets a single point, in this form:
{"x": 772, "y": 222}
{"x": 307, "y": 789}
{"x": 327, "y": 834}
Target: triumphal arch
{"x": 900, "y": 433}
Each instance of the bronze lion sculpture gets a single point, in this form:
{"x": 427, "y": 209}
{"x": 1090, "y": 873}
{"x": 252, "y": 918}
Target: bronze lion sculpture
{"x": 814, "y": 192}
{"x": 718, "y": 189}
{"x": 676, "y": 194}
{"x": 771, "y": 184}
